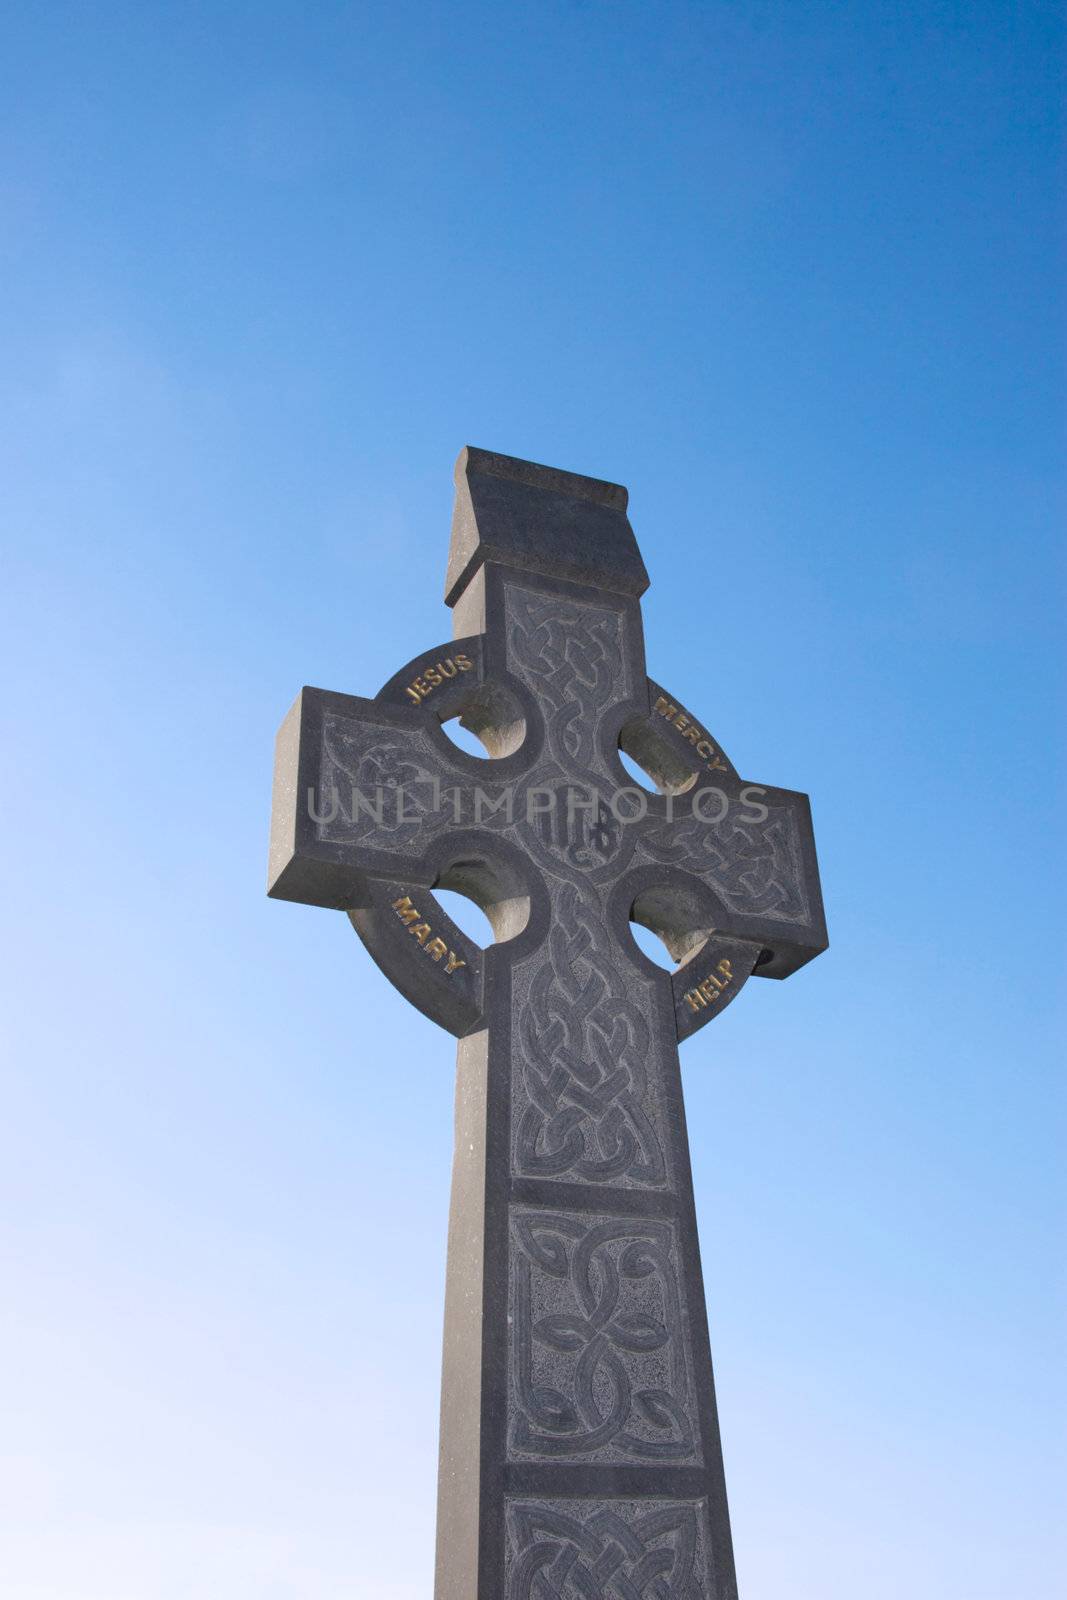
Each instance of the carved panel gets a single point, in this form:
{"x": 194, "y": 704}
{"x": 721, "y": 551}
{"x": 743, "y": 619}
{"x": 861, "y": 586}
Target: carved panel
{"x": 586, "y": 1072}
{"x": 378, "y": 788}
{"x": 572, "y": 656}
{"x": 608, "y": 1550}
{"x": 755, "y": 867}
{"x": 599, "y": 1361}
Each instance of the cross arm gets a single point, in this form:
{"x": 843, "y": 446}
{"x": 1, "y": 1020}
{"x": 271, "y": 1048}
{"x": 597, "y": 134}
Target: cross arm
{"x": 360, "y": 824}
{"x": 750, "y": 849}
{"x": 331, "y": 821}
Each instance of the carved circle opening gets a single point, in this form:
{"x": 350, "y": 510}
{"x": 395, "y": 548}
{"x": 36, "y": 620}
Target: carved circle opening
{"x": 651, "y": 945}
{"x": 488, "y": 724}
{"x": 673, "y": 923}
{"x": 652, "y": 761}
{"x": 464, "y": 738}
{"x": 496, "y": 901}
{"x": 468, "y": 915}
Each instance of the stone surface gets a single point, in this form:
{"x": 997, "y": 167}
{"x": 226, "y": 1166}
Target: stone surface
{"x": 580, "y": 1453}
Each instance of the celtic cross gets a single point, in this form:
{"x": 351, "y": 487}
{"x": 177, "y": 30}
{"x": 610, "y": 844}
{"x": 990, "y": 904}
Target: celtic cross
{"x": 580, "y": 1455}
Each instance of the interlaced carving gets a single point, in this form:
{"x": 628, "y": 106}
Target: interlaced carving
{"x": 584, "y": 1103}
{"x": 755, "y": 867}
{"x": 571, "y": 655}
{"x": 627, "y": 1552}
{"x": 377, "y": 791}
{"x": 598, "y": 1361}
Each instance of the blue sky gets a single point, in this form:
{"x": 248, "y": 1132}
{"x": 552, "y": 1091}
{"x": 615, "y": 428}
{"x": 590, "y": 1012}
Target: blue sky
{"x": 792, "y": 273}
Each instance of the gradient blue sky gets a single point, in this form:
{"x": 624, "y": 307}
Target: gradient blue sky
{"x": 791, "y": 272}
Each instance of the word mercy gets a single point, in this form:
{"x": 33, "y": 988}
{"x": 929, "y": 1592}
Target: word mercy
{"x": 698, "y": 737}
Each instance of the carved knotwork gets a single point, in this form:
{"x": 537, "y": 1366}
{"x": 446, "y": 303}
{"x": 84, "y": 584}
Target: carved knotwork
{"x": 585, "y": 1105}
{"x": 617, "y": 1550}
{"x": 599, "y": 1341}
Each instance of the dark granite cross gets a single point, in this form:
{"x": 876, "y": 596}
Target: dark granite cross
{"x": 580, "y": 1455}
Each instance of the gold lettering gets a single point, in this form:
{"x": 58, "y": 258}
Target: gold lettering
{"x": 434, "y": 675}
{"x": 436, "y": 947}
{"x": 692, "y": 730}
{"x": 405, "y": 910}
{"x": 710, "y": 988}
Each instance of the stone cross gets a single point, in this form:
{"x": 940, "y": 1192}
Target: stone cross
{"x": 580, "y": 1455}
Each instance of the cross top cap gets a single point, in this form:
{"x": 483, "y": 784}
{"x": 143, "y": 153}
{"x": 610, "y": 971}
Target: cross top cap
{"x": 523, "y": 515}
